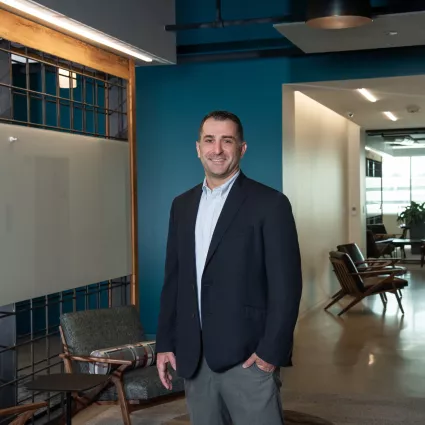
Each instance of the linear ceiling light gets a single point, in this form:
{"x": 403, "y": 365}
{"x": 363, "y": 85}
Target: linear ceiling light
{"x": 34, "y": 9}
{"x": 367, "y": 94}
{"x": 338, "y": 14}
{"x": 378, "y": 152}
{"x": 391, "y": 116}
{"x": 421, "y": 146}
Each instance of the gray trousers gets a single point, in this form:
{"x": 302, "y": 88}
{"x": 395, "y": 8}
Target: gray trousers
{"x": 236, "y": 397}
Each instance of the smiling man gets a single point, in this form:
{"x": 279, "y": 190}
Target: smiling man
{"x": 232, "y": 287}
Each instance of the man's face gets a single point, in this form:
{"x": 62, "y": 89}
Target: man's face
{"x": 219, "y": 148}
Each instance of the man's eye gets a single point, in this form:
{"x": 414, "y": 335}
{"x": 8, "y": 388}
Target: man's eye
{"x": 208, "y": 140}
{"x": 228, "y": 141}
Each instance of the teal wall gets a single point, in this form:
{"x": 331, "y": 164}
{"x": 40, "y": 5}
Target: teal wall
{"x": 171, "y": 101}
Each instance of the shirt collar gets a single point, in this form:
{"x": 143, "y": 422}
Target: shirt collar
{"x": 224, "y": 188}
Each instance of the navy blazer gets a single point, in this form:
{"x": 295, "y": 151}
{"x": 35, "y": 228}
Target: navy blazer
{"x": 251, "y": 284}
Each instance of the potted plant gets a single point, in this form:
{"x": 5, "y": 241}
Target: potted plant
{"x": 413, "y": 217}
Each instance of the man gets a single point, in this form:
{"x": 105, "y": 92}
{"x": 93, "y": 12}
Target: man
{"x": 232, "y": 287}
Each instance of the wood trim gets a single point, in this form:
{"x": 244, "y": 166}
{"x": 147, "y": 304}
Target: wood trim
{"x": 31, "y": 34}
{"x": 131, "y": 117}
{"x": 16, "y": 410}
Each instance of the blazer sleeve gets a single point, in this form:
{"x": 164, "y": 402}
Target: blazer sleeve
{"x": 165, "y": 337}
{"x": 284, "y": 283}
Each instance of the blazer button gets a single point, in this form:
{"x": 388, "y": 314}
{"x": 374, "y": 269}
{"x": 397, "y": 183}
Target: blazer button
{"x": 193, "y": 315}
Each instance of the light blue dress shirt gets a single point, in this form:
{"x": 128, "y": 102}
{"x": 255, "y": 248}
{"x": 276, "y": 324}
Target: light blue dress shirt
{"x": 210, "y": 207}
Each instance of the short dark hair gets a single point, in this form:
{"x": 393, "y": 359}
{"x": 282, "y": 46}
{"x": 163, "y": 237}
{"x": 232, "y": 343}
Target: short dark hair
{"x": 223, "y": 116}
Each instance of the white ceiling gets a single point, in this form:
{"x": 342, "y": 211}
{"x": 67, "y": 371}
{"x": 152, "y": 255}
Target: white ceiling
{"x": 386, "y": 31}
{"x": 394, "y": 94}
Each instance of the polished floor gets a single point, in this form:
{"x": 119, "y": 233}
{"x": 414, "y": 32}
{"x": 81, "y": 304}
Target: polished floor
{"x": 369, "y": 350}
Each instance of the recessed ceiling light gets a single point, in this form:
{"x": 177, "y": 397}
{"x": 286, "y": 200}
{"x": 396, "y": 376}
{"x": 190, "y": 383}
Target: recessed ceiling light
{"x": 392, "y": 33}
{"x": 391, "y": 116}
{"x": 367, "y": 94}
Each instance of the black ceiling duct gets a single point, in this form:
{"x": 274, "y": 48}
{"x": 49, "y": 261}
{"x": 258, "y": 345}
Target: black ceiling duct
{"x": 338, "y": 14}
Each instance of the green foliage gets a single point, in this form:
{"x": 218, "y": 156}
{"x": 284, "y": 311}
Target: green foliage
{"x": 413, "y": 214}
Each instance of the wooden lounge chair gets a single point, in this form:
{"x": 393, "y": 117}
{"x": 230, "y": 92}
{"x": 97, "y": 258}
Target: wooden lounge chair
{"x": 360, "y": 285}
{"x": 92, "y": 331}
{"x": 24, "y": 412}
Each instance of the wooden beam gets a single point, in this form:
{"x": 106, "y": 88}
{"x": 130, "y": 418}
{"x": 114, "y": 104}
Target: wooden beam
{"x": 36, "y": 36}
{"x": 131, "y": 118}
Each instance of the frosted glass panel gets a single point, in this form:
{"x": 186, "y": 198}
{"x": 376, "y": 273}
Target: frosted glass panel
{"x": 395, "y": 184}
{"x": 64, "y": 212}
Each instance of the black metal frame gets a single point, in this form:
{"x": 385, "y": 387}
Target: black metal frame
{"x": 298, "y": 15}
{"x": 116, "y": 291}
{"x": 95, "y": 94}
{"x": 101, "y": 104}
{"x": 258, "y": 49}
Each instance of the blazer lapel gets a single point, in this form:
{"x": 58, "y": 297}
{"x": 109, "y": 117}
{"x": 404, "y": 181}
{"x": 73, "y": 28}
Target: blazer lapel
{"x": 232, "y": 205}
{"x": 191, "y": 215}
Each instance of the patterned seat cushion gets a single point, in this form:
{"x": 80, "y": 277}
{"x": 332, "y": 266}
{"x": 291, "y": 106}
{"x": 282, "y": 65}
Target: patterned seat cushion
{"x": 142, "y": 353}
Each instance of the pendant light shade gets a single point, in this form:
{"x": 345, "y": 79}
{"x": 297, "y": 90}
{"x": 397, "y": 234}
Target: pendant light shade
{"x": 338, "y": 14}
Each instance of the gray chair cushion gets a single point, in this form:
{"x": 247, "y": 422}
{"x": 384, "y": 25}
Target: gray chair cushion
{"x": 90, "y": 330}
{"x": 143, "y": 384}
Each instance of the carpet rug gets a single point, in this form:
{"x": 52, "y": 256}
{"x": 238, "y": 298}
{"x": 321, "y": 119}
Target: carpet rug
{"x": 336, "y": 409}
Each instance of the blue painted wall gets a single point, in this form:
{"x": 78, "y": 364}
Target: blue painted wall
{"x": 171, "y": 101}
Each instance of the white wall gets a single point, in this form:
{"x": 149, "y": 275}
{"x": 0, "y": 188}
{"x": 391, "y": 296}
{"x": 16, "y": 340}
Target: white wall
{"x": 64, "y": 212}
{"x": 391, "y": 225}
{"x": 356, "y": 184}
{"x": 322, "y": 178}
{"x": 137, "y": 22}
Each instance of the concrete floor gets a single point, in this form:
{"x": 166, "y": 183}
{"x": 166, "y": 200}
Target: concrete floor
{"x": 368, "y": 350}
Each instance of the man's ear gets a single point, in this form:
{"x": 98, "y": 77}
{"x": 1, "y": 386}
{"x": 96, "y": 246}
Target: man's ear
{"x": 197, "y": 149}
{"x": 244, "y": 147}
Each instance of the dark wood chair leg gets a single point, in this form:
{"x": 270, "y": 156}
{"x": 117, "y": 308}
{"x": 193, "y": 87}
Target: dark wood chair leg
{"x": 399, "y": 301}
{"x": 352, "y": 304}
{"x": 337, "y": 293}
{"x": 383, "y": 299}
{"x": 122, "y": 400}
{"x": 335, "y": 299}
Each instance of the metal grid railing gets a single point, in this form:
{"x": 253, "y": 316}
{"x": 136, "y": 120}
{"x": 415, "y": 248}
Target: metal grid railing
{"x": 34, "y": 342}
{"x": 44, "y": 91}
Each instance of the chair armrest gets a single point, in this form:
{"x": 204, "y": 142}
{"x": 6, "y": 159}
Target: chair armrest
{"x": 382, "y": 282}
{"x": 374, "y": 273}
{"x": 89, "y": 359}
{"x": 16, "y": 410}
{"x": 382, "y": 260}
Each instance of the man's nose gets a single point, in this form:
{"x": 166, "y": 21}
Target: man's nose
{"x": 218, "y": 148}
